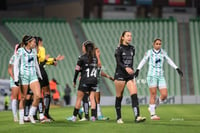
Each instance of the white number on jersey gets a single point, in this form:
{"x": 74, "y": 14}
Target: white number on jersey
{"x": 93, "y": 73}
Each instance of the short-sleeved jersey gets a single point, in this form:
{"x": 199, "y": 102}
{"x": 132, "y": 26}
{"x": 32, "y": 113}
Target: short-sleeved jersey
{"x": 156, "y": 60}
{"x": 41, "y": 56}
{"x": 124, "y": 58}
{"x": 25, "y": 63}
{"x": 12, "y": 59}
{"x": 88, "y": 70}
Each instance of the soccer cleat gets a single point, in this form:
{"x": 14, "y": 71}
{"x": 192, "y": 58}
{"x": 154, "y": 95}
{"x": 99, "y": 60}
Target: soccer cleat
{"x": 102, "y": 118}
{"x": 21, "y": 122}
{"x": 26, "y": 119}
{"x": 44, "y": 119}
{"x": 71, "y": 118}
{"x": 155, "y": 117}
{"x": 16, "y": 119}
{"x": 83, "y": 119}
{"x": 32, "y": 119}
{"x": 49, "y": 117}
{"x": 140, "y": 119}
{"x": 120, "y": 121}
{"x": 93, "y": 119}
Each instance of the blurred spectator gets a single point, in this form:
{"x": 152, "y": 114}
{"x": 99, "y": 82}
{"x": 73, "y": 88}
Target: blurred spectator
{"x": 55, "y": 93}
{"x": 67, "y": 97}
{"x": 6, "y": 101}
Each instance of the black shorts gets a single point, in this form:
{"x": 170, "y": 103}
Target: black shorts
{"x": 45, "y": 80}
{"x": 123, "y": 77}
{"x": 87, "y": 87}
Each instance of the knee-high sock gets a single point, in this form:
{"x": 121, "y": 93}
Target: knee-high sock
{"x": 40, "y": 106}
{"x": 75, "y": 112}
{"x": 135, "y": 105}
{"x": 47, "y": 101}
{"x": 99, "y": 110}
{"x": 86, "y": 105}
{"x": 27, "y": 107}
{"x": 14, "y": 107}
{"x": 118, "y": 101}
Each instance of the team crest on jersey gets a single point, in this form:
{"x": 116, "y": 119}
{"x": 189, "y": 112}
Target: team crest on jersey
{"x": 123, "y": 53}
{"x": 30, "y": 59}
{"x": 158, "y": 60}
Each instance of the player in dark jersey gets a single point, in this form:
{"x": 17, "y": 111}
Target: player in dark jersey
{"x": 87, "y": 65}
{"x": 124, "y": 76}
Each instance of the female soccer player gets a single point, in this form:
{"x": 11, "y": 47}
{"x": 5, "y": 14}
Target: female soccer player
{"x": 15, "y": 89}
{"x": 87, "y": 65}
{"x": 124, "y": 76}
{"x": 26, "y": 73}
{"x": 97, "y": 94}
{"x": 155, "y": 76}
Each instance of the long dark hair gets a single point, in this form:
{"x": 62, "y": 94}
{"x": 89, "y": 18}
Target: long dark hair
{"x": 90, "y": 50}
{"x": 27, "y": 39}
{"x": 120, "y": 39}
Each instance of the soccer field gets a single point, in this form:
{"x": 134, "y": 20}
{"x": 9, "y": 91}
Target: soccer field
{"x": 174, "y": 119}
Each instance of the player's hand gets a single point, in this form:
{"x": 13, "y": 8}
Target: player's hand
{"x": 136, "y": 73}
{"x": 17, "y": 83}
{"x": 129, "y": 70}
{"x": 60, "y": 57}
{"x": 47, "y": 56}
{"x": 74, "y": 84}
{"x": 179, "y": 72}
{"x": 111, "y": 78}
{"x": 55, "y": 63}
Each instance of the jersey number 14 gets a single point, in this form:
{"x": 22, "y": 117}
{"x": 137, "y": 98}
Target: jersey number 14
{"x": 91, "y": 73}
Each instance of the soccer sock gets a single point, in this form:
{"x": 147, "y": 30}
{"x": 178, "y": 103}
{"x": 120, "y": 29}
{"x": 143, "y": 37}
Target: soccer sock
{"x": 99, "y": 110}
{"x": 27, "y": 107}
{"x": 40, "y": 106}
{"x": 135, "y": 105}
{"x": 14, "y": 107}
{"x": 93, "y": 112}
{"x": 86, "y": 105}
{"x": 47, "y": 101}
{"x": 118, "y": 101}
{"x": 152, "y": 109}
{"x": 75, "y": 112}
{"x": 21, "y": 114}
{"x": 32, "y": 110}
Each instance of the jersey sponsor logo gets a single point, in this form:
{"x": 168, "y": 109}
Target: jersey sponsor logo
{"x": 157, "y": 61}
{"x": 30, "y": 59}
{"x": 123, "y": 53}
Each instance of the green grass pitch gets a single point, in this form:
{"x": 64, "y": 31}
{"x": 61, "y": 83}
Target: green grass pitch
{"x": 174, "y": 119}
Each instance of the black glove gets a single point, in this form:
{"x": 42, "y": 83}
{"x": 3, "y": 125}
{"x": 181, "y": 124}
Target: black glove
{"x": 17, "y": 83}
{"x": 136, "y": 73}
{"x": 179, "y": 72}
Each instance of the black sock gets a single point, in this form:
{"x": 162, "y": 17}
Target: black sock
{"x": 86, "y": 105}
{"x": 135, "y": 105}
{"x": 75, "y": 112}
{"x": 27, "y": 107}
{"x": 40, "y": 106}
{"x": 118, "y": 101}
{"x": 93, "y": 112}
{"x": 47, "y": 101}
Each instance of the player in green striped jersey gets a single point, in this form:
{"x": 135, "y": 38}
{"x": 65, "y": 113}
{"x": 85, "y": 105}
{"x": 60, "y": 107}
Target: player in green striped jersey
{"x": 155, "y": 76}
{"x": 26, "y": 73}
